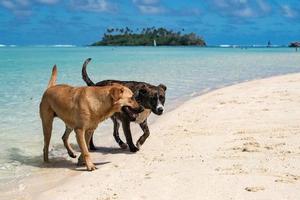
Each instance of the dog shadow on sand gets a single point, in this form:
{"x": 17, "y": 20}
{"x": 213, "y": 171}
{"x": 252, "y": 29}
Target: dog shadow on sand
{"x": 58, "y": 159}
{"x": 111, "y": 150}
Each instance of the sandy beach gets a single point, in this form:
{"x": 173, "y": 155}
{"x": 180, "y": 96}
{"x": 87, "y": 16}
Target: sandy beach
{"x": 238, "y": 142}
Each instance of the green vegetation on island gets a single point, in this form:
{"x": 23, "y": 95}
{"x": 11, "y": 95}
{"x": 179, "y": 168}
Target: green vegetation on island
{"x": 148, "y": 37}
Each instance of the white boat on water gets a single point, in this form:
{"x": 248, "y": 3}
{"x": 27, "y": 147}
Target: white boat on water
{"x": 154, "y": 43}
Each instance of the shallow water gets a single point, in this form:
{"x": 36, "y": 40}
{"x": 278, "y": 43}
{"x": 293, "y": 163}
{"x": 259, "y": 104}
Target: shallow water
{"x": 187, "y": 71}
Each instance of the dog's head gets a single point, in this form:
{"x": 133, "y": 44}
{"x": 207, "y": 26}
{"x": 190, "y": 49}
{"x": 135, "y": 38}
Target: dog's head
{"x": 124, "y": 100}
{"x": 152, "y": 98}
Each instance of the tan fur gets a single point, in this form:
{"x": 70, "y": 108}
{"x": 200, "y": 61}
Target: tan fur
{"x": 53, "y": 78}
{"x": 82, "y": 109}
{"x": 143, "y": 116}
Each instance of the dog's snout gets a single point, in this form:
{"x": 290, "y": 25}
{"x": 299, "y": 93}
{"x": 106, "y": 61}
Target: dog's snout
{"x": 160, "y": 110}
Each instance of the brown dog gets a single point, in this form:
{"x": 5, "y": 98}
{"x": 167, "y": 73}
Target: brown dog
{"x": 82, "y": 109}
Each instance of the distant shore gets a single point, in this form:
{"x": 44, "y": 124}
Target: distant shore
{"x": 149, "y": 37}
{"x": 238, "y": 142}
{"x": 84, "y": 46}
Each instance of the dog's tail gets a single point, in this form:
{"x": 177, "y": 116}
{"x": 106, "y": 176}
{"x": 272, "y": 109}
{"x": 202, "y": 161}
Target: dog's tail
{"x": 53, "y": 77}
{"x": 84, "y": 74}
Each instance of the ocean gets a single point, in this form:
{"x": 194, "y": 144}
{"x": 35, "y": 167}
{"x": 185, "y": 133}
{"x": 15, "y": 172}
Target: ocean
{"x": 186, "y": 71}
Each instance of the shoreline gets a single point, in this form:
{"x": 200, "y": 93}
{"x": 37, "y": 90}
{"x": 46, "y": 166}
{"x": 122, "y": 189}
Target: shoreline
{"x": 117, "y": 164}
{"x": 188, "y": 97}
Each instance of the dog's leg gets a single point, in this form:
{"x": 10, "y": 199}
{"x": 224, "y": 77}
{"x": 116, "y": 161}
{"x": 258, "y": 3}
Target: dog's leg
{"x": 91, "y": 143}
{"x": 65, "y": 139}
{"x": 47, "y": 121}
{"x": 142, "y": 139}
{"x": 85, "y": 156}
{"x": 127, "y": 132}
{"x": 116, "y": 133}
{"x": 88, "y": 137}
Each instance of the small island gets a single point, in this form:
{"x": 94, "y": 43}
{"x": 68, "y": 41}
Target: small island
{"x": 148, "y": 37}
{"x": 294, "y": 44}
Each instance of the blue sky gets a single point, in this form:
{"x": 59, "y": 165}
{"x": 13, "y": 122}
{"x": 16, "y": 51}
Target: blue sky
{"x": 81, "y": 22}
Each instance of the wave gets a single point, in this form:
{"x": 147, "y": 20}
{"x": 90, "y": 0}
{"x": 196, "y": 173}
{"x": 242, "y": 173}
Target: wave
{"x": 63, "y": 45}
{"x": 54, "y": 45}
{"x": 11, "y": 45}
{"x": 249, "y": 46}
{"x": 225, "y": 45}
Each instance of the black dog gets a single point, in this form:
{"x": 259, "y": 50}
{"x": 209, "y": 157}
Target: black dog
{"x": 151, "y": 97}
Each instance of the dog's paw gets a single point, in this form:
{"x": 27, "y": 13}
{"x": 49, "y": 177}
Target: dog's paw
{"x": 72, "y": 154}
{"x": 91, "y": 167}
{"x": 133, "y": 149}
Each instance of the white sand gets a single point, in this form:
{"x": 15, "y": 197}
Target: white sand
{"x": 239, "y": 142}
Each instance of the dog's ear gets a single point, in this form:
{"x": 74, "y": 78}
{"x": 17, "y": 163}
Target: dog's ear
{"x": 116, "y": 93}
{"x": 142, "y": 91}
{"x": 163, "y": 87}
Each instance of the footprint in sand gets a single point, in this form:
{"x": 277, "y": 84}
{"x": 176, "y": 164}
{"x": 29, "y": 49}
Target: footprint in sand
{"x": 234, "y": 170}
{"x": 287, "y": 178}
{"x": 248, "y": 138}
{"x": 248, "y": 147}
{"x": 254, "y": 189}
{"x": 239, "y": 132}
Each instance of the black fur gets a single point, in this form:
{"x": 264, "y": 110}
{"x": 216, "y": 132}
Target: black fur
{"x": 148, "y": 96}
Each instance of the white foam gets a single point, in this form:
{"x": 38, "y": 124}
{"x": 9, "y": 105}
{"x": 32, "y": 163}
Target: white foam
{"x": 63, "y": 45}
{"x": 193, "y": 94}
{"x": 225, "y": 45}
{"x": 258, "y": 45}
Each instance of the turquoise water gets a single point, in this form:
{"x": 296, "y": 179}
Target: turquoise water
{"x": 187, "y": 71}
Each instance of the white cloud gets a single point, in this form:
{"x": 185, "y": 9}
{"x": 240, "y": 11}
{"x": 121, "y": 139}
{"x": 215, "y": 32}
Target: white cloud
{"x": 48, "y": 1}
{"x": 264, "y": 6}
{"x": 18, "y": 7}
{"x": 242, "y": 8}
{"x": 288, "y": 11}
{"x": 221, "y": 3}
{"x": 149, "y": 2}
{"x": 23, "y": 7}
{"x": 92, "y": 5}
{"x": 245, "y": 12}
{"x": 151, "y": 9}
{"x": 7, "y": 4}
{"x": 149, "y": 6}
